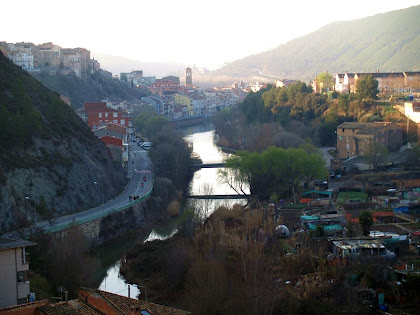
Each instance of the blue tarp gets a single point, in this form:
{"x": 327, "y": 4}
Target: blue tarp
{"x": 309, "y": 217}
{"x": 403, "y": 209}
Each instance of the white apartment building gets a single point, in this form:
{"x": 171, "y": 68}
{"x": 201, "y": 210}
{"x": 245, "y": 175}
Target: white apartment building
{"x": 22, "y": 59}
{"x": 14, "y": 288}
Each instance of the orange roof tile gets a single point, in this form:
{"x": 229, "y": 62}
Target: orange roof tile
{"x": 125, "y": 304}
{"x": 68, "y": 308}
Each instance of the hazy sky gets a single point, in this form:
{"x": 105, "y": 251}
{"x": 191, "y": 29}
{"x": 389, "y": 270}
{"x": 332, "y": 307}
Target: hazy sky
{"x": 201, "y": 32}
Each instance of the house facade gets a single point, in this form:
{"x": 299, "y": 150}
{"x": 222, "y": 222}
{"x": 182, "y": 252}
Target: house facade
{"x": 77, "y": 59}
{"x": 47, "y": 55}
{"x": 22, "y": 59}
{"x": 355, "y": 138}
{"x": 14, "y": 265}
{"x": 99, "y": 114}
{"x": 412, "y": 111}
{"x": 164, "y": 86}
{"x": 388, "y": 82}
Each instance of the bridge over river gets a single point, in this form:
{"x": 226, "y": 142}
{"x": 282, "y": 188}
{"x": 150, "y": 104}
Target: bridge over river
{"x": 209, "y": 165}
{"x": 223, "y": 197}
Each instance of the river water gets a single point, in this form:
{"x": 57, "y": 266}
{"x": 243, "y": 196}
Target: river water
{"x": 205, "y": 182}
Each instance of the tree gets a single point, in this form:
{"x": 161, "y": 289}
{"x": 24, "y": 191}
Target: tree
{"x": 367, "y": 88}
{"x": 276, "y": 170}
{"x": 366, "y": 221}
{"x": 325, "y": 81}
{"x": 376, "y": 154}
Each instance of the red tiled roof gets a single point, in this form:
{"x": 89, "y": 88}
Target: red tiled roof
{"x": 70, "y": 308}
{"x": 125, "y": 304}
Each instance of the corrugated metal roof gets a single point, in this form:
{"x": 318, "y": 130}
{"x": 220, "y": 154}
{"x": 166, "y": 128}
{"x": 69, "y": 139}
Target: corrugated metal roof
{"x": 7, "y": 243}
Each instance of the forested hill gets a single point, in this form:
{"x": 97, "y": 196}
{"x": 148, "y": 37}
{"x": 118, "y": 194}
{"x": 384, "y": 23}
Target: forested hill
{"x": 47, "y": 153}
{"x": 95, "y": 88}
{"x": 385, "y": 42}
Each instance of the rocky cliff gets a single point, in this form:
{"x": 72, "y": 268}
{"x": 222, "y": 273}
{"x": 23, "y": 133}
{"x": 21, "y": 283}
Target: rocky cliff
{"x": 49, "y": 158}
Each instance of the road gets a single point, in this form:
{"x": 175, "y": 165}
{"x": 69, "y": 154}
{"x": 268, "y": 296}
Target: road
{"x": 326, "y": 155}
{"x": 139, "y": 173}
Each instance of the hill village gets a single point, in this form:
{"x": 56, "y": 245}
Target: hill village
{"x": 329, "y": 209}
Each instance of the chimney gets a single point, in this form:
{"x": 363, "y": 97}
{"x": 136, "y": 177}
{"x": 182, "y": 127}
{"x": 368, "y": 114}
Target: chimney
{"x": 135, "y": 310}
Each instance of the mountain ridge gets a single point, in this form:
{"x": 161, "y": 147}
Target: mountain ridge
{"x": 386, "y": 41}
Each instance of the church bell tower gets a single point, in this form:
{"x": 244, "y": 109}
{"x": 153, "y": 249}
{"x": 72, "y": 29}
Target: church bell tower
{"x": 188, "y": 77}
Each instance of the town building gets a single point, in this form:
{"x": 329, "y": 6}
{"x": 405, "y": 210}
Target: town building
{"x": 360, "y": 248}
{"x": 156, "y": 101}
{"x": 116, "y": 148}
{"x": 412, "y": 112}
{"x": 14, "y": 265}
{"x": 132, "y": 78}
{"x": 188, "y": 77}
{"x": 356, "y": 138}
{"x": 388, "y": 82}
{"x": 115, "y": 138}
{"x": 47, "y": 55}
{"x": 283, "y": 82}
{"x": 98, "y": 114}
{"x": 77, "y": 59}
{"x": 165, "y": 85}
{"x": 22, "y": 59}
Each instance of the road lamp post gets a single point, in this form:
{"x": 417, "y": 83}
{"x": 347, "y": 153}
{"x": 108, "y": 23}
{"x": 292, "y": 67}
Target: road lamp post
{"x": 102, "y": 189}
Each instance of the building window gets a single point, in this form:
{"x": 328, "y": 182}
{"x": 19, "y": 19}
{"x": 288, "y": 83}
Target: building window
{"x": 23, "y": 255}
{"x": 21, "y": 276}
{"x": 100, "y": 115}
{"x": 115, "y": 115}
{"x": 106, "y": 114}
{"x": 122, "y": 121}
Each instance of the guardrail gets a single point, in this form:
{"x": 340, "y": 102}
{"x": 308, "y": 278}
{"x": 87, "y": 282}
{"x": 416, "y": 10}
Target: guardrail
{"x": 95, "y": 216}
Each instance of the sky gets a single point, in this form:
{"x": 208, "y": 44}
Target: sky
{"x": 204, "y": 33}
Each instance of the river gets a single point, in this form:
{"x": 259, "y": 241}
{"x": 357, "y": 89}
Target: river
{"x": 205, "y": 182}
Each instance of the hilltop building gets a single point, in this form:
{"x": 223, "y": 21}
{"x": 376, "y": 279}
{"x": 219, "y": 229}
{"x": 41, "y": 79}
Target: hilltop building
{"x": 136, "y": 78}
{"x": 51, "y": 58}
{"x": 387, "y": 82}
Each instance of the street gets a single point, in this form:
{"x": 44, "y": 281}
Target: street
{"x": 140, "y": 182}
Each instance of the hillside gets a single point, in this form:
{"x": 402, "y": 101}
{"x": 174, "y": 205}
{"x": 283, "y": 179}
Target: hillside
{"x": 49, "y": 157}
{"x": 92, "y": 89}
{"x": 385, "y": 42}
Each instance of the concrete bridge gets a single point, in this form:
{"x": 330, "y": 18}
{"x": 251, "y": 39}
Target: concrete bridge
{"x": 209, "y": 165}
{"x": 223, "y": 197}
{"x": 187, "y": 121}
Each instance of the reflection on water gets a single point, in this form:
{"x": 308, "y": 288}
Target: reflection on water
{"x": 155, "y": 235}
{"x": 115, "y": 283}
{"x": 107, "y": 259}
{"x": 205, "y": 182}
